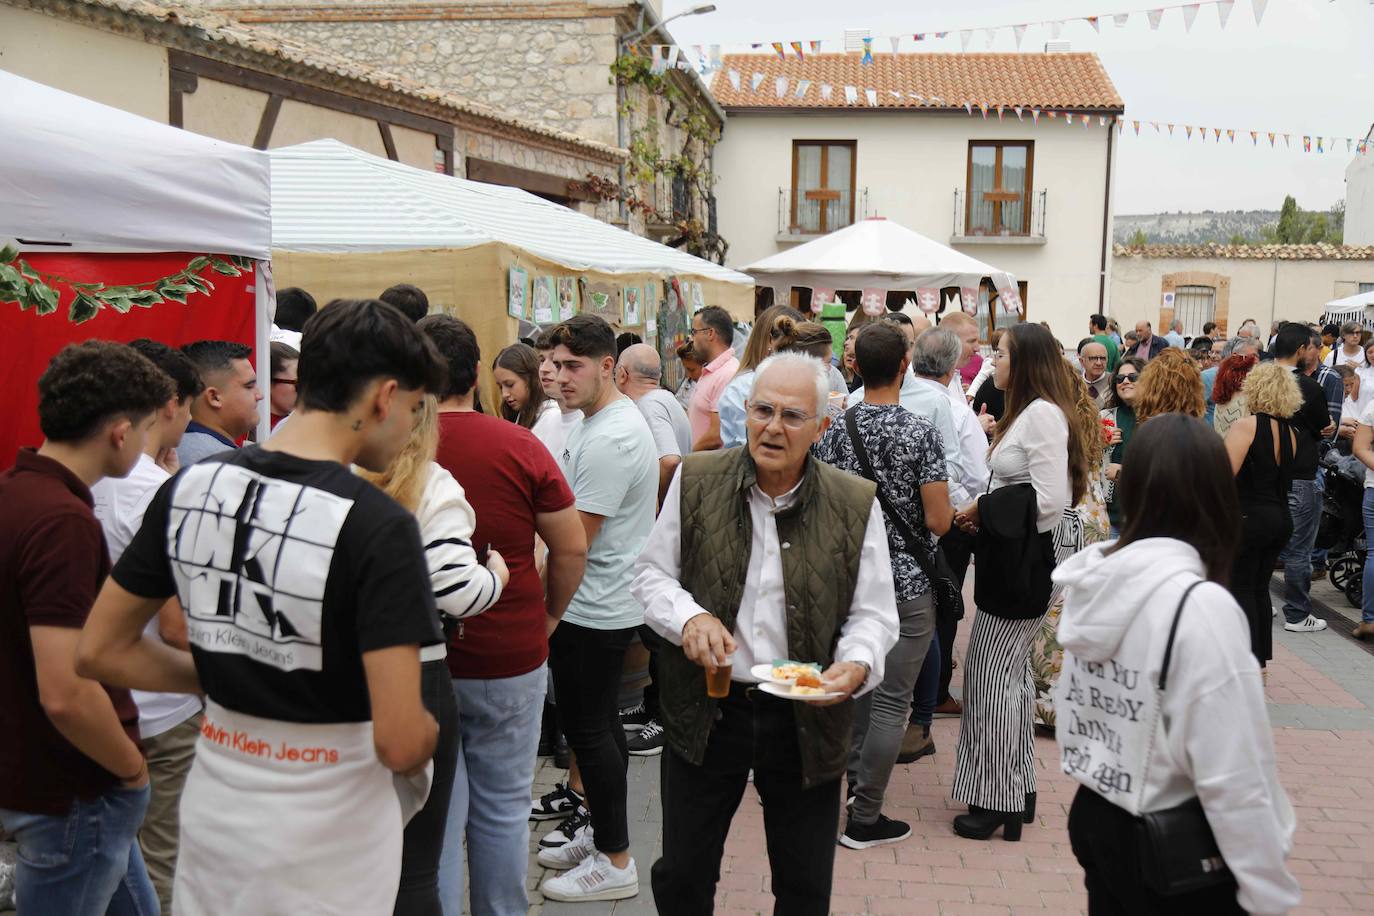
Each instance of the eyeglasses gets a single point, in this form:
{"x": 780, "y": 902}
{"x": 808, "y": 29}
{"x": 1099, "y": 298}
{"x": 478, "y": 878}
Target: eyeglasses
{"x": 285, "y": 381}
{"x": 1127, "y": 378}
{"x": 1094, "y": 359}
{"x": 791, "y": 419}
{"x": 696, "y": 331}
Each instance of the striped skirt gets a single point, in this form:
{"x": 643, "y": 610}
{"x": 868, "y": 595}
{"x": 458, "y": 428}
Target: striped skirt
{"x": 995, "y": 760}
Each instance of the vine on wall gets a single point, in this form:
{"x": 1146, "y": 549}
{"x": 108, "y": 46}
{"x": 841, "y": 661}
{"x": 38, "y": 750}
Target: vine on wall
{"x": 688, "y": 167}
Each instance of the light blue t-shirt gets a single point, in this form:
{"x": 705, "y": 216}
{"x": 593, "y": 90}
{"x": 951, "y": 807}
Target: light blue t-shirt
{"x": 610, "y": 462}
{"x": 733, "y": 430}
{"x": 1209, "y": 379}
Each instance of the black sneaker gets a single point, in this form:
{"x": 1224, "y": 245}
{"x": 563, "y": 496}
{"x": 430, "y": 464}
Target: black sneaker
{"x": 560, "y": 801}
{"x": 635, "y": 718}
{"x": 883, "y": 830}
{"x": 648, "y": 742}
{"x": 566, "y": 830}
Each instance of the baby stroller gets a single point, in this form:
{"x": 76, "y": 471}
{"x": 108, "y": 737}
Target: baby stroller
{"x": 1341, "y": 530}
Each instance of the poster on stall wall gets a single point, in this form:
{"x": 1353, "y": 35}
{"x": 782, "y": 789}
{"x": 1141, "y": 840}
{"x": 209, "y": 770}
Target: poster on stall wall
{"x": 874, "y": 301}
{"x": 517, "y": 303}
{"x": 928, "y": 300}
{"x": 968, "y": 295}
{"x": 543, "y": 297}
{"x": 673, "y": 327}
{"x": 630, "y": 306}
{"x": 602, "y": 300}
{"x": 698, "y": 298}
{"x": 819, "y": 297}
{"x": 567, "y": 297}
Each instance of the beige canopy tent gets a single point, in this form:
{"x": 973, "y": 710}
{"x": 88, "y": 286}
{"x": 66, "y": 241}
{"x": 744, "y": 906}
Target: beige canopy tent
{"x": 349, "y": 224}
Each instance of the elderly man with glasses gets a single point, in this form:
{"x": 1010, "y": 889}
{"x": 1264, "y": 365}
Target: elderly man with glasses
{"x": 763, "y": 553}
{"x": 1092, "y": 356}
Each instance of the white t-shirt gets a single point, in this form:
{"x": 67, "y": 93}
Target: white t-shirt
{"x": 1367, "y": 419}
{"x": 1338, "y": 357}
{"x": 609, "y": 462}
{"x": 668, "y": 423}
{"x": 119, "y": 504}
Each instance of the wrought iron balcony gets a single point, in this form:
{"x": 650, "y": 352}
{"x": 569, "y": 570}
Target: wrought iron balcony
{"x": 999, "y": 218}
{"x": 817, "y": 212}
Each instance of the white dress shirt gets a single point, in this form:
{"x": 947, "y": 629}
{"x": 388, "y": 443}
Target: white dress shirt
{"x": 1036, "y": 451}
{"x": 761, "y": 624}
{"x": 970, "y": 478}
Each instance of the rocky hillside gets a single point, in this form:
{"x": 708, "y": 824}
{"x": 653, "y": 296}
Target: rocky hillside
{"x": 1193, "y": 228}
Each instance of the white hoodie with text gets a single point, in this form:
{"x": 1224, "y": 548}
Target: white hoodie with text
{"x": 1211, "y": 739}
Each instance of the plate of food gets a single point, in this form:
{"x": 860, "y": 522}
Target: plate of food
{"x": 784, "y": 672}
{"x": 804, "y": 692}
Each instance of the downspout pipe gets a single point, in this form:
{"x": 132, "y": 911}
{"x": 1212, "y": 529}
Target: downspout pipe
{"x": 1106, "y": 222}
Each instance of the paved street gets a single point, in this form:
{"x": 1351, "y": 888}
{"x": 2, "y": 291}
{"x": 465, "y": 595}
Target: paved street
{"x": 1321, "y": 689}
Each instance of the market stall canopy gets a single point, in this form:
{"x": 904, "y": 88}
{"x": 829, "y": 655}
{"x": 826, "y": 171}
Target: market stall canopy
{"x": 875, "y": 253}
{"x": 88, "y": 177}
{"x": 1354, "y": 305}
{"x": 330, "y": 197}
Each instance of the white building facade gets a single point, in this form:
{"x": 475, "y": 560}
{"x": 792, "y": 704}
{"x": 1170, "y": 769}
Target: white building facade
{"x": 1359, "y": 197}
{"x": 1030, "y": 193}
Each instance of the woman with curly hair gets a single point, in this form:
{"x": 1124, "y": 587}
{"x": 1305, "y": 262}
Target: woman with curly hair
{"x": 1227, "y": 394}
{"x": 1261, "y": 447}
{"x": 1170, "y": 383}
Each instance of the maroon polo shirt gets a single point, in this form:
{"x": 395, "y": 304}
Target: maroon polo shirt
{"x": 53, "y": 560}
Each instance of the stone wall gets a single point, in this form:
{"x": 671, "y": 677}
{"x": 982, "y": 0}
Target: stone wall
{"x": 555, "y": 72}
{"x": 495, "y": 148}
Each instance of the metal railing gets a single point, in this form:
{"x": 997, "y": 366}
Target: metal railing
{"x": 807, "y": 218}
{"x": 982, "y": 222}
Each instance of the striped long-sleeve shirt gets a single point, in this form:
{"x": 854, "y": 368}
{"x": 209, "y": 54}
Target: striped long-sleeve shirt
{"x": 462, "y": 586}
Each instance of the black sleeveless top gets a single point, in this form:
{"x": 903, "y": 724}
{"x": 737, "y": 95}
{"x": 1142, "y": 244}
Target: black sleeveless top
{"x": 1261, "y": 478}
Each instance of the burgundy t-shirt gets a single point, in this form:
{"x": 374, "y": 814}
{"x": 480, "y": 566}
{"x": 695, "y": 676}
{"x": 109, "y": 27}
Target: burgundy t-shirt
{"x": 509, "y": 477}
{"x": 53, "y": 560}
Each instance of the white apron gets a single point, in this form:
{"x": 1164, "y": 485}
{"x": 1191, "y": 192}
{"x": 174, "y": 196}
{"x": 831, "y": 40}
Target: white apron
{"x": 290, "y": 818}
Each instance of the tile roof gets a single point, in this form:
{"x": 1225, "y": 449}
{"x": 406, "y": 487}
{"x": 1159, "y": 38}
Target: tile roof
{"x": 1073, "y": 81}
{"x": 218, "y": 28}
{"x": 1250, "y": 252}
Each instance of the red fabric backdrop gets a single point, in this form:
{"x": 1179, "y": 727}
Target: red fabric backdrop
{"x": 28, "y": 342}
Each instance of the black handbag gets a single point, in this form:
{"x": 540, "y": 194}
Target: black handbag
{"x": 949, "y": 596}
{"x": 1012, "y": 559}
{"x": 1178, "y": 851}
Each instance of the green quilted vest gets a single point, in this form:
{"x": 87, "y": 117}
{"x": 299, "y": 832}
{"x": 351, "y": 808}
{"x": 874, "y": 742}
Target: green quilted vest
{"x": 821, "y": 535}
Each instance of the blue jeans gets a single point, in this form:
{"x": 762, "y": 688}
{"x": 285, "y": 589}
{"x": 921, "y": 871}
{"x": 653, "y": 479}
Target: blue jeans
{"x": 498, "y": 727}
{"x": 1319, "y": 554}
{"x": 927, "y": 686}
{"x": 1367, "y": 600}
{"x": 85, "y": 862}
{"x": 1305, "y": 507}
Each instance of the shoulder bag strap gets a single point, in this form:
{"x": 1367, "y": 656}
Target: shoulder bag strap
{"x": 866, "y": 468}
{"x": 1173, "y": 631}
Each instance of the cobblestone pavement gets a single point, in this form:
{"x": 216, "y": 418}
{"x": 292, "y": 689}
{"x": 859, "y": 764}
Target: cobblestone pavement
{"x": 1321, "y": 691}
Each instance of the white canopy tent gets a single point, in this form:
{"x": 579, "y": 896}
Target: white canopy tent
{"x": 875, "y": 253}
{"x": 78, "y": 176}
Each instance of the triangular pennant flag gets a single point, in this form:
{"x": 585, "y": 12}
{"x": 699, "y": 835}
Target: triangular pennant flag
{"x": 701, "y": 56}
{"x": 1287, "y": 140}
{"x": 1120, "y": 19}
{"x": 983, "y": 107}
{"x": 1271, "y": 139}
{"x": 1097, "y": 27}
{"x": 756, "y": 45}
{"x": 1348, "y": 144}
{"x": 802, "y": 86}
{"x": 1189, "y": 14}
{"x": 999, "y": 112}
{"x": 964, "y": 38}
{"x": 968, "y": 106}
{"x": 989, "y": 35}
{"x": 1101, "y": 120}
{"x": 1068, "y": 117}
{"x": 780, "y": 85}
{"x": 659, "y": 64}
{"x": 894, "y": 93}
{"x": 1171, "y": 130}
{"x": 851, "y": 95}
{"x": 941, "y": 34}
{"x": 1120, "y": 125}
{"x": 1306, "y": 144}
{"x": 1202, "y": 132}
{"x": 815, "y": 47}
{"x": 715, "y": 57}
{"x": 1224, "y": 11}
{"x": 1020, "y": 32}
{"x": 1254, "y": 138}
{"x": 1087, "y": 119}
{"x": 797, "y": 47}
{"x": 896, "y": 40}
{"x": 1052, "y": 114}
{"x": 1259, "y": 6}
{"x": 919, "y": 36}
{"x": 1155, "y": 125}
{"x": 1056, "y": 29}
{"x": 872, "y": 96}
{"x": 1319, "y": 145}
{"x": 1231, "y": 136}
{"x": 1217, "y": 132}
{"x": 1018, "y": 110}
{"x": 1188, "y": 131}
{"x": 734, "y": 78}
{"x": 1035, "y": 115}
{"x": 1154, "y": 16}
{"x": 868, "y": 51}
{"x": 673, "y": 52}
{"x": 778, "y": 50}
{"x": 827, "y": 91}
{"x": 755, "y": 81}
{"x": 1136, "y": 125}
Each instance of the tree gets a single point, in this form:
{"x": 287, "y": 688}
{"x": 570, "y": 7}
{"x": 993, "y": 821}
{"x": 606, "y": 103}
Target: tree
{"x": 1138, "y": 239}
{"x": 1289, "y": 230}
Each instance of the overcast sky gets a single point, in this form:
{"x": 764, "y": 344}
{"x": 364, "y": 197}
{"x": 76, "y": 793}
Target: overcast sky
{"x": 1308, "y": 68}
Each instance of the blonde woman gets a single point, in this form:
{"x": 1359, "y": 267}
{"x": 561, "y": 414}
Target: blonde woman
{"x": 1261, "y": 447}
{"x": 463, "y": 587}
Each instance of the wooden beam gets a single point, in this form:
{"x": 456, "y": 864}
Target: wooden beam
{"x": 388, "y": 141}
{"x": 179, "y": 82}
{"x": 268, "y": 122}
{"x": 535, "y": 182}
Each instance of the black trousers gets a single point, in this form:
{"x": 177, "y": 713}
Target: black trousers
{"x": 755, "y": 731}
{"x": 1264, "y": 532}
{"x": 418, "y": 894}
{"x": 1104, "y": 841}
{"x": 958, "y": 547}
{"x": 650, "y": 640}
{"x": 587, "y": 666}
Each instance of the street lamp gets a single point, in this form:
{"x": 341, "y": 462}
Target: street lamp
{"x": 697, "y": 10}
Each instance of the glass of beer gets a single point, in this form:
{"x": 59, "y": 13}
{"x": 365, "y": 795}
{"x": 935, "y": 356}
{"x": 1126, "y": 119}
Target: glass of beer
{"x": 718, "y": 678}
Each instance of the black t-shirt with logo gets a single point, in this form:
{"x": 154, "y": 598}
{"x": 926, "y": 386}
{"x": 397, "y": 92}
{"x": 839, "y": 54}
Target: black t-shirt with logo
{"x": 288, "y": 571}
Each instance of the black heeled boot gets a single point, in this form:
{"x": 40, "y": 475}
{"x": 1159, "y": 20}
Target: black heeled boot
{"x": 981, "y": 824}
{"x": 1030, "y": 807}
{"x": 562, "y": 754}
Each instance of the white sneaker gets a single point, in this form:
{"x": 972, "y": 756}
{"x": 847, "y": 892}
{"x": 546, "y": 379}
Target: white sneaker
{"x": 1308, "y": 625}
{"x": 570, "y": 853}
{"x": 594, "y": 879}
